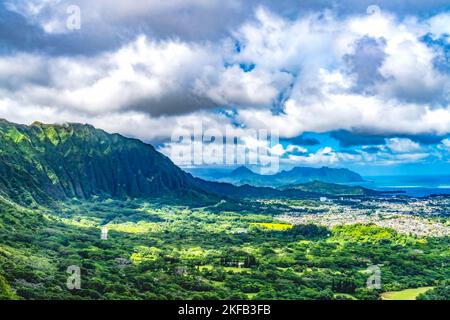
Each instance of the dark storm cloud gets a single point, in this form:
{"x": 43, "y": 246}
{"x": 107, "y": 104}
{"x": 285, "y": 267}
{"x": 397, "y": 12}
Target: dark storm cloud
{"x": 105, "y": 27}
{"x": 302, "y": 141}
{"x": 349, "y": 139}
{"x": 108, "y": 24}
{"x": 17, "y": 33}
{"x": 372, "y": 150}
{"x": 177, "y": 103}
{"x": 426, "y": 139}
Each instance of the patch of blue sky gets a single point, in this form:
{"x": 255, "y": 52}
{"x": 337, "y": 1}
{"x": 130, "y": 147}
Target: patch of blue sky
{"x": 442, "y": 43}
{"x": 247, "y": 67}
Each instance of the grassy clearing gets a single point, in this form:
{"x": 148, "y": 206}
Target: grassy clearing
{"x": 408, "y": 294}
{"x": 250, "y": 296}
{"x": 273, "y": 226}
{"x": 129, "y": 227}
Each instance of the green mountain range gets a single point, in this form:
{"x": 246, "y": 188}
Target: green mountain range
{"x": 42, "y": 163}
{"x": 297, "y": 175}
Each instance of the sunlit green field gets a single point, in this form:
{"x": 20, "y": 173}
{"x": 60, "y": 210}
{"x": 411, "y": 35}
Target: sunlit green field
{"x": 407, "y": 294}
{"x": 273, "y": 226}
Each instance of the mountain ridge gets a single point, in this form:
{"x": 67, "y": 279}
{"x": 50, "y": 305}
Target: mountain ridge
{"x": 78, "y": 160}
{"x": 297, "y": 175}
{"x": 331, "y": 189}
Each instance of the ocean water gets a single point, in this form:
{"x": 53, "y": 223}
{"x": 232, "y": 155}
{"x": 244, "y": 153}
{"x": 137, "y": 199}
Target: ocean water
{"x": 416, "y": 186}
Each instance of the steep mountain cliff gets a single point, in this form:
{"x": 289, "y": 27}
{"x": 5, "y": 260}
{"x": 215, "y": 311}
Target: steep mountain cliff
{"x": 43, "y": 162}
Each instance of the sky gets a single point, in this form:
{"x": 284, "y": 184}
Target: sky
{"x": 357, "y": 84}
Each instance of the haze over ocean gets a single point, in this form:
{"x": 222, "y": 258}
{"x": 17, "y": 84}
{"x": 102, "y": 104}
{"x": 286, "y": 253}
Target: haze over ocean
{"x": 412, "y": 185}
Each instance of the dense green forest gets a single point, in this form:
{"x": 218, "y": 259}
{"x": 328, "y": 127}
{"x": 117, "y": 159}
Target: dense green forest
{"x": 161, "y": 251}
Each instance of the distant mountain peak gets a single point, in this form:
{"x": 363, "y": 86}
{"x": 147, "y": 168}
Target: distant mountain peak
{"x": 241, "y": 170}
{"x": 296, "y": 175}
